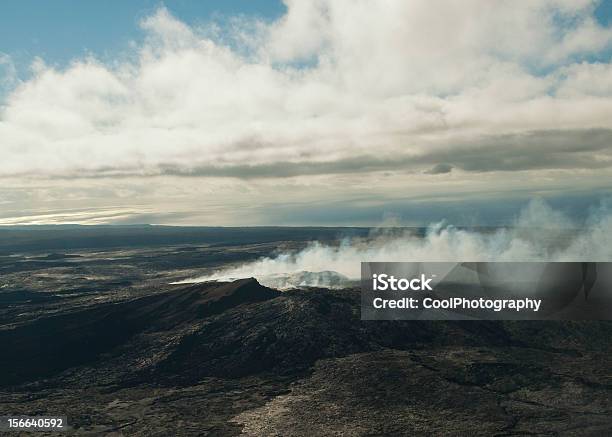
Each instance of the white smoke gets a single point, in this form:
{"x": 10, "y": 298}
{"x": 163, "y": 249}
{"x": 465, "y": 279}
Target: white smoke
{"x": 539, "y": 233}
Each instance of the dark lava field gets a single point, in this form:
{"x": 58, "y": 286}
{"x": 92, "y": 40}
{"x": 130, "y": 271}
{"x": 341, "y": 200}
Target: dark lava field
{"x": 92, "y": 329}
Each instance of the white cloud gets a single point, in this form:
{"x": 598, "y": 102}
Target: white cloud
{"x": 8, "y": 74}
{"x": 418, "y": 84}
{"x": 399, "y": 77}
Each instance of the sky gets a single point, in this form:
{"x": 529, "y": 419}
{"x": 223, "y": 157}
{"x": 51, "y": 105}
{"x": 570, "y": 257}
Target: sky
{"x": 324, "y": 112}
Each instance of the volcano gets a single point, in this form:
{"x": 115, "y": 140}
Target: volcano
{"x": 257, "y": 361}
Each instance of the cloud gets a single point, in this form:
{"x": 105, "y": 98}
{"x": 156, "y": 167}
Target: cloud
{"x": 570, "y": 149}
{"x": 321, "y": 89}
{"x": 349, "y": 103}
{"x": 87, "y": 217}
{"x": 8, "y": 74}
{"x": 440, "y": 169}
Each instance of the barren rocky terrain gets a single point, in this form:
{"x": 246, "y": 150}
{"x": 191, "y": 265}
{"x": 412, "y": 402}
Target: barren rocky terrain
{"x": 100, "y": 335}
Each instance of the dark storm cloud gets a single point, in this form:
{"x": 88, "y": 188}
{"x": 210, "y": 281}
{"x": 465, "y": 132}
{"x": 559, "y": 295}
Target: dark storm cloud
{"x": 572, "y": 149}
{"x": 541, "y": 150}
{"x": 578, "y": 149}
{"x": 440, "y": 169}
